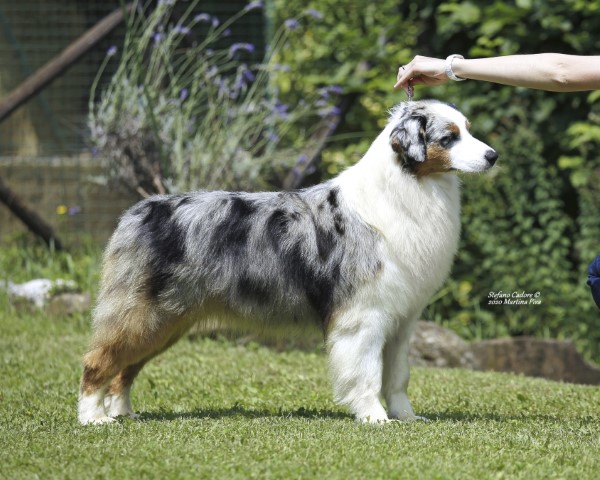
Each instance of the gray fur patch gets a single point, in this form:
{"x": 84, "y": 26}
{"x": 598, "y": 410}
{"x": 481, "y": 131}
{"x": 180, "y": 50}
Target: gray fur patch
{"x": 277, "y": 256}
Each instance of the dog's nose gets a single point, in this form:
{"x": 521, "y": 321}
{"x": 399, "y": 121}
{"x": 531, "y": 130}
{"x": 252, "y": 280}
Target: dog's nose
{"x": 491, "y": 156}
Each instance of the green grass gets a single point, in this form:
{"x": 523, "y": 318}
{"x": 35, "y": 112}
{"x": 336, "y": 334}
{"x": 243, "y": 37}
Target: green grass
{"x": 211, "y": 409}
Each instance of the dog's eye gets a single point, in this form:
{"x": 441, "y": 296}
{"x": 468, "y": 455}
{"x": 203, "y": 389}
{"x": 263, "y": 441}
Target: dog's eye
{"x": 448, "y": 139}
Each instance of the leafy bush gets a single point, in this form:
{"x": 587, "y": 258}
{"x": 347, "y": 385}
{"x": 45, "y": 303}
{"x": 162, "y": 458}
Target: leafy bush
{"x": 185, "y": 111}
{"x": 533, "y": 224}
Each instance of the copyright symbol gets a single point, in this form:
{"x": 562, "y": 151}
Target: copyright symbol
{"x": 537, "y": 294}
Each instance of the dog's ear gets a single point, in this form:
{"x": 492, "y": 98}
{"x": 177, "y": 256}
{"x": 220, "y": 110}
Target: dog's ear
{"x": 408, "y": 139}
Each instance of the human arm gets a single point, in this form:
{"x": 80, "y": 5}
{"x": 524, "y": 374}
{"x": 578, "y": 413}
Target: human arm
{"x": 545, "y": 71}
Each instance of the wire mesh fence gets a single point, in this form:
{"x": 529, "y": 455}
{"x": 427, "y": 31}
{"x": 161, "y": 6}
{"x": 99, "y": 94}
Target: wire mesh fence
{"x": 45, "y": 155}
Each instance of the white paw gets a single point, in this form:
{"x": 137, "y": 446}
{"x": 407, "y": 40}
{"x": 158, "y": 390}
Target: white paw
{"x": 97, "y": 421}
{"x": 374, "y": 419}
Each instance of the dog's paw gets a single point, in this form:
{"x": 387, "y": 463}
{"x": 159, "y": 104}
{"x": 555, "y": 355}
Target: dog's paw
{"x": 97, "y": 421}
{"x": 374, "y": 419}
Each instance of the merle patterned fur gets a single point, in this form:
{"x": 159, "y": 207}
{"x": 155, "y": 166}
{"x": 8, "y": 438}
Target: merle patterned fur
{"x": 276, "y": 256}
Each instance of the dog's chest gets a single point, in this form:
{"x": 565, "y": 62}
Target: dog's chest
{"x": 419, "y": 234}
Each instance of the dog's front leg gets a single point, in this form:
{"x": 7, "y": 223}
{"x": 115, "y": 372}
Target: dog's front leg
{"x": 355, "y": 344}
{"x": 396, "y": 373}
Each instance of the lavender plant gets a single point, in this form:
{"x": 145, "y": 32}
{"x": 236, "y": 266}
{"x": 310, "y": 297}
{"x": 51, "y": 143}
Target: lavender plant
{"x": 183, "y": 113}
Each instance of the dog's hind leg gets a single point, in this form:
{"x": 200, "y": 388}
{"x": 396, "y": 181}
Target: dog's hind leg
{"x": 355, "y": 344}
{"x": 101, "y": 364}
{"x": 117, "y": 401}
{"x": 121, "y": 346}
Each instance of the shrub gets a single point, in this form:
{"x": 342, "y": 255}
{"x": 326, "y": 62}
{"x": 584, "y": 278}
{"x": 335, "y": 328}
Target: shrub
{"x": 185, "y": 111}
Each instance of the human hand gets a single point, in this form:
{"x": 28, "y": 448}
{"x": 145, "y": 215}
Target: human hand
{"x": 422, "y": 71}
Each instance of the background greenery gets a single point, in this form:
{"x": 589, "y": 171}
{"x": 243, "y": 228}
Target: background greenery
{"x": 533, "y": 224}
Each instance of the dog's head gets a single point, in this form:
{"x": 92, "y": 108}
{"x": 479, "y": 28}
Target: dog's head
{"x": 431, "y": 137}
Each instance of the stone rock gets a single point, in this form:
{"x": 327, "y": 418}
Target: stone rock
{"x": 68, "y": 304}
{"x": 435, "y": 346}
{"x": 551, "y": 359}
{"x": 36, "y": 293}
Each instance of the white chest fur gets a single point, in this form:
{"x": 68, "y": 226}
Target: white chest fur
{"x": 418, "y": 220}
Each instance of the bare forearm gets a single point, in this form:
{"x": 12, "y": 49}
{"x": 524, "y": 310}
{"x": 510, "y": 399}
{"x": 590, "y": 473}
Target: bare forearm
{"x": 546, "y": 71}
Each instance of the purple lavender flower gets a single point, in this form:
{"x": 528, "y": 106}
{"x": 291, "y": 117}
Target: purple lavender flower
{"x": 326, "y": 112}
{"x": 278, "y": 67}
{"x": 157, "y": 37}
{"x": 202, "y": 17}
{"x": 291, "y": 24}
{"x": 236, "y": 47}
{"x": 112, "y": 51}
{"x": 248, "y": 75}
{"x": 253, "y": 6}
{"x": 166, "y": 2}
{"x": 302, "y": 159}
{"x": 180, "y": 29}
{"x": 281, "y": 109}
{"x": 314, "y": 13}
{"x": 184, "y": 94}
{"x": 215, "y": 22}
{"x": 335, "y": 89}
{"x": 74, "y": 210}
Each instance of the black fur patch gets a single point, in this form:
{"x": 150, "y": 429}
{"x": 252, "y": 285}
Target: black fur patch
{"x": 231, "y": 235}
{"x": 166, "y": 240}
{"x": 277, "y": 228}
{"x": 319, "y": 288}
{"x": 253, "y": 289}
{"x": 338, "y": 219}
{"x": 332, "y": 198}
{"x": 325, "y": 242}
{"x": 408, "y": 140}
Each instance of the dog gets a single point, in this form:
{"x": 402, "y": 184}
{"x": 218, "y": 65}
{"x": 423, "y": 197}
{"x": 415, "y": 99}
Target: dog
{"x": 360, "y": 255}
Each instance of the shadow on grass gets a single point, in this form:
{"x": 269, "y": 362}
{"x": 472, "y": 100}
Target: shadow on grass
{"x": 469, "y": 417}
{"x": 314, "y": 414}
{"x": 238, "y": 411}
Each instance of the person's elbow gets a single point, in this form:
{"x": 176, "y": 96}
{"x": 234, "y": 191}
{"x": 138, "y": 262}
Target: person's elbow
{"x": 560, "y": 76}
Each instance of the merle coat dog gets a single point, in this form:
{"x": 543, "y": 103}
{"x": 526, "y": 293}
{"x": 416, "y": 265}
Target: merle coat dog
{"x": 360, "y": 255}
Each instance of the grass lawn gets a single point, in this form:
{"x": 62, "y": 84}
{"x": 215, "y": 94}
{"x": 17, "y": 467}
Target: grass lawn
{"x": 211, "y": 409}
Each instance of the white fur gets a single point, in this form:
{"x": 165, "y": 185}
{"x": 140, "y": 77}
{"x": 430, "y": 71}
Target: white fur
{"x": 91, "y": 408}
{"x": 419, "y": 219}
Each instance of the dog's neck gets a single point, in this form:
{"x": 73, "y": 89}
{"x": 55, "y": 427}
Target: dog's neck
{"x": 377, "y": 186}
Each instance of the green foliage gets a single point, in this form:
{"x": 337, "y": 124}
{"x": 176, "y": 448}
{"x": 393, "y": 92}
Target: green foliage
{"x": 185, "y": 110}
{"x": 533, "y": 224}
{"x": 357, "y": 46}
{"x": 211, "y": 409}
{"x": 25, "y": 259}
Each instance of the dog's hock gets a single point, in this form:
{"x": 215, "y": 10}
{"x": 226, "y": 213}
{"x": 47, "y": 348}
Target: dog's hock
{"x": 408, "y": 139}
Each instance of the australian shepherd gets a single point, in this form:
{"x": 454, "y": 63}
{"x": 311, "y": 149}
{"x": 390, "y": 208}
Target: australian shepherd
{"x": 360, "y": 255}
